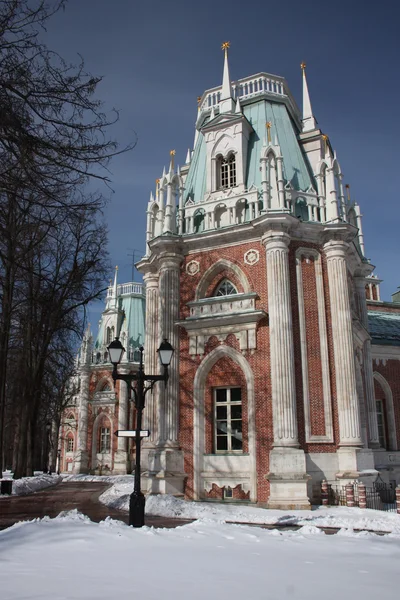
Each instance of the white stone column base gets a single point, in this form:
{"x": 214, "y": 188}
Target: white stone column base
{"x": 288, "y": 479}
{"x": 81, "y": 462}
{"x": 121, "y": 463}
{"x": 356, "y": 463}
{"x": 165, "y": 473}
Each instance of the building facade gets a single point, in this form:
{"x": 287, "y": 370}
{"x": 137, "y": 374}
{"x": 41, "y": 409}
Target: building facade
{"x": 286, "y": 370}
{"x": 256, "y": 270}
{"x": 97, "y": 408}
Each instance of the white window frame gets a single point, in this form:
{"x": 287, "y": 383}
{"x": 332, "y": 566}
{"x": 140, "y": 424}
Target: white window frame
{"x": 70, "y": 439}
{"x": 224, "y": 283}
{"x": 105, "y": 440}
{"x": 226, "y": 176}
{"x": 229, "y": 432}
{"x": 380, "y": 412}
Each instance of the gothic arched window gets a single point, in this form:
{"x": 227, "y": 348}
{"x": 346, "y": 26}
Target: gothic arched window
{"x": 198, "y": 220}
{"x": 225, "y": 288}
{"x": 227, "y": 172}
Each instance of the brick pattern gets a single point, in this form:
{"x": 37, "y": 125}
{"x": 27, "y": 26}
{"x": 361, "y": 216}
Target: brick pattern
{"x": 217, "y": 493}
{"x": 313, "y": 341}
{"x": 317, "y": 414}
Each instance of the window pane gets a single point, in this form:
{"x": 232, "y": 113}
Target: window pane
{"x": 220, "y": 395}
{"x": 222, "y": 412}
{"x": 236, "y": 395}
{"x": 236, "y": 444}
{"x": 236, "y": 427}
{"x": 236, "y": 411}
{"x": 222, "y": 427}
{"x": 222, "y": 442}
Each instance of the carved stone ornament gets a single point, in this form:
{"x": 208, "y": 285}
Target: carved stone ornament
{"x": 251, "y": 257}
{"x": 193, "y": 267}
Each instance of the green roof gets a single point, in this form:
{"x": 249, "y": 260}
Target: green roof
{"x": 384, "y": 328}
{"x": 295, "y": 165}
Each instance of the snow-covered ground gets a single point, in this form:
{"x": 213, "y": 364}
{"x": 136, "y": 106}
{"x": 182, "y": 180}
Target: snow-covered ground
{"x": 28, "y": 485}
{"x": 168, "y": 506}
{"x": 72, "y": 558}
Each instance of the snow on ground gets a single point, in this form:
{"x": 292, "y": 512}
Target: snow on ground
{"x": 29, "y": 485}
{"x": 337, "y": 516}
{"x": 72, "y": 558}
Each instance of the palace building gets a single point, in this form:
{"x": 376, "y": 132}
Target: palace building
{"x": 286, "y": 370}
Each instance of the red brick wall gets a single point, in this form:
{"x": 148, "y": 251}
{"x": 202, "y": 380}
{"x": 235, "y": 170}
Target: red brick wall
{"x": 260, "y": 360}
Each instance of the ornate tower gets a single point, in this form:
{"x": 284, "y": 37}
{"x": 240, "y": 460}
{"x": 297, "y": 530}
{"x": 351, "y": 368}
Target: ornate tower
{"x": 255, "y": 270}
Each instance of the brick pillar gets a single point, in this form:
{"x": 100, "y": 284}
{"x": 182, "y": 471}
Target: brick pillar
{"x": 324, "y": 492}
{"x": 362, "y": 495}
{"x": 398, "y": 499}
{"x": 350, "y": 495}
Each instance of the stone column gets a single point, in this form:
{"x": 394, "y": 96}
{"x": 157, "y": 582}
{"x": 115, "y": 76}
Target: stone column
{"x": 151, "y": 361}
{"x": 287, "y": 466}
{"x": 169, "y": 314}
{"x": 81, "y": 458}
{"x": 165, "y": 461}
{"x": 342, "y": 332}
{"x": 121, "y": 456}
{"x": 281, "y": 336}
{"x": 367, "y": 367}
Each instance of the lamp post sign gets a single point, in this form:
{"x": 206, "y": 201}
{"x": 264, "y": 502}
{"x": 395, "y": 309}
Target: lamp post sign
{"x": 116, "y": 350}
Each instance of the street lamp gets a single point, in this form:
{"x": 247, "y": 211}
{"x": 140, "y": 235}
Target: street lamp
{"x": 46, "y": 448}
{"x": 165, "y": 352}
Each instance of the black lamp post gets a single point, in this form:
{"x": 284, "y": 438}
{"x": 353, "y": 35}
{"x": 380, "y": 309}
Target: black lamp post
{"x": 116, "y": 350}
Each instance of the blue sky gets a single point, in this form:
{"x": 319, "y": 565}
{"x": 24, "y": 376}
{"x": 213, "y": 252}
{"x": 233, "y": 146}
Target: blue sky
{"x": 157, "y": 57}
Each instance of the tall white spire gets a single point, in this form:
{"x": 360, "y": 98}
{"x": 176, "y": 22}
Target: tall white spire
{"x": 115, "y": 287}
{"x": 309, "y": 122}
{"x": 227, "y": 103}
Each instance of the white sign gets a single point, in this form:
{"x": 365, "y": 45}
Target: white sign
{"x": 131, "y": 433}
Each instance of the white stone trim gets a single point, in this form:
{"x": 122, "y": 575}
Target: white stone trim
{"x": 251, "y": 257}
{"x": 216, "y": 268}
{"x": 391, "y": 421}
{"x": 193, "y": 267}
{"x": 381, "y": 354}
{"x": 198, "y": 418}
{"x": 323, "y": 338}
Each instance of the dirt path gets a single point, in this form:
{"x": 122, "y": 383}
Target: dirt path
{"x": 84, "y": 496}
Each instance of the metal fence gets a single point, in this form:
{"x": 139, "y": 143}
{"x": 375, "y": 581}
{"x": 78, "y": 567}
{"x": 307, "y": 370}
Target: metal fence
{"x": 381, "y": 496}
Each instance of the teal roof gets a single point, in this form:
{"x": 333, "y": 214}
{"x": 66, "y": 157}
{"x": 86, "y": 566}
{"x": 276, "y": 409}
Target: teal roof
{"x": 384, "y": 328}
{"x": 134, "y": 307}
{"x": 295, "y": 166}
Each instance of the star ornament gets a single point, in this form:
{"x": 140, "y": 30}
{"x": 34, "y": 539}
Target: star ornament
{"x": 225, "y": 46}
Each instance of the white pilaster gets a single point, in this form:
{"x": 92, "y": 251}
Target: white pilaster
{"x": 287, "y": 465}
{"x": 281, "y": 335}
{"x": 342, "y": 333}
{"x": 81, "y": 456}
{"x": 367, "y": 367}
{"x": 121, "y": 456}
{"x": 151, "y": 361}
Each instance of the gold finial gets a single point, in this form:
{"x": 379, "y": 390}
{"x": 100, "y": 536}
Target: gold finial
{"x": 325, "y": 138}
{"x": 268, "y": 125}
{"x": 303, "y": 66}
{"x": 225, "y": 46}
{"x": 348, "y": 191}
{"x": 157, "y": 181}
{"x": 110, "y": 280}
{"x": 157, "y": 187}
{"x": 198, "y": 101}
{"x": 172, "y": 154}
{"x": 116, "y": 267}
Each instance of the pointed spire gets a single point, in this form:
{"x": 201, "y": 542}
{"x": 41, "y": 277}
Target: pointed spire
{"x": 163, "y": 173}
{"x": 325, "y": 139}
{"x": 227, "y": 103}
{"x": 268, "y": 126}
{"x": 115, "y": 286}
{"x": 157, "y": 188}
{"x": 188, "y": 157}
{"x": 238, "y": 108}
{"x": 226, "y": 91}
{"x": 212, "y": 113}
{"x": 178, "y": 171}
{"x": 171, "y": 164}
{"x": 309, "y": 123}
{"x": 151, "y": 198}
